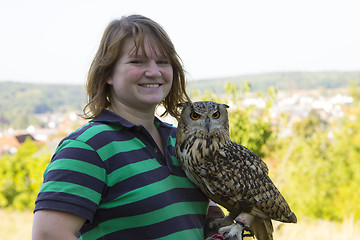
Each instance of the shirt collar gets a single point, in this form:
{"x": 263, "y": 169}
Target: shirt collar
{"x": 107, "y": 116}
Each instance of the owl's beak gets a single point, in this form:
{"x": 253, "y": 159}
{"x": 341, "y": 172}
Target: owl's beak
{"x": 207, "y": 124}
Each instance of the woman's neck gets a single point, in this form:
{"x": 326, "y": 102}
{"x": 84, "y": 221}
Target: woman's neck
{"x": 144, "y": 118}
{"x": 137, "y": 117}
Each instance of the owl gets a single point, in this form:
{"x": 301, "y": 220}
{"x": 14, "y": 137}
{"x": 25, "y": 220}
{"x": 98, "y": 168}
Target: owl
{"x": 228, "y": 173}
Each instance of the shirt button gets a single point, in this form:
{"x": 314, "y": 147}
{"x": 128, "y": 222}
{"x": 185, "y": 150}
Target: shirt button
{"x": 155, "y": 150}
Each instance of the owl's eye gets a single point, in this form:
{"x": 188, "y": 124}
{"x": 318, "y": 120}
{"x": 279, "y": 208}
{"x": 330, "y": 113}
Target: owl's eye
{"x": 216, "y": 115}
{"x": 194, "y": 116}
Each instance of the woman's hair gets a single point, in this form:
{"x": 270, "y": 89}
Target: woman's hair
{"x": 137, "y": 27}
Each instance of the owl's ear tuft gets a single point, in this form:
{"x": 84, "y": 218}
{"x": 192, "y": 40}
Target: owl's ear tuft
{"x": 184, "y": 104}
{"x": 226, "y": 106}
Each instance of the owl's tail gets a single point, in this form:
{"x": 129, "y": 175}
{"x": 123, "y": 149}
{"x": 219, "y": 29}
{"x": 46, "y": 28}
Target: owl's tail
{"x": 262, "y": 228}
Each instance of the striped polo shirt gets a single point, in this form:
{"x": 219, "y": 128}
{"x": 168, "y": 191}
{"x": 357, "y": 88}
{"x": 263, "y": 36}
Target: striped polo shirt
{"x": 112, "y": 173}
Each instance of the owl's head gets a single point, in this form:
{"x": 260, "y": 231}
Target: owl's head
{"x": 204, "y": 116}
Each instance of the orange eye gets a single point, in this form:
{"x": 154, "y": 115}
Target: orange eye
{"x": 194, "y": 116}
{"x": 216, "y": 115}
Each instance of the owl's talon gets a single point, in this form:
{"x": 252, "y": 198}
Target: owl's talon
{"x": 233, "y": 230}
{"x": 236, "y": 230}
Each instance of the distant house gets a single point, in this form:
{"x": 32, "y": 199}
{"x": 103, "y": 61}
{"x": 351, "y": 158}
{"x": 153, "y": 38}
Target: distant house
{"x": 10, "y": 144}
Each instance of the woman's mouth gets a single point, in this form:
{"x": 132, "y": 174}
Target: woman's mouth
{"x": 150, "y": 85}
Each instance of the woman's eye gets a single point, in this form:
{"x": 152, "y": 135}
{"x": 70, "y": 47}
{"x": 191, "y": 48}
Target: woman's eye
{"x": 194, "y": 116}
{"x": 163, "y": 62}
{"x": 216, "y": 115}
{"x": 135, "y": 61}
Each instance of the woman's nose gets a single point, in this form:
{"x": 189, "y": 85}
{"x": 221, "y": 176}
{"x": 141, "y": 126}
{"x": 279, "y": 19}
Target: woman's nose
{"x": 152, "y": 69}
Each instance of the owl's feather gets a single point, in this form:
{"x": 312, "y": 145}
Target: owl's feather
{"x": 228, "y": 173}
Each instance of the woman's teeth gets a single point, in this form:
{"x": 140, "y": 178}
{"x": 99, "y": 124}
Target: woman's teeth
{"x": 152, "y": 85}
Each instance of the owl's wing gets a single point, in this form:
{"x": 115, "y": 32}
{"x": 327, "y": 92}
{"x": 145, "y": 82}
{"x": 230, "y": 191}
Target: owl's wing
{"x": 258, "y": 212}
{"x": 241, "y": 179}
{"x": 247, "y": 158}
{"x": 232, "y": 176}
{"x": 252, "y": 158}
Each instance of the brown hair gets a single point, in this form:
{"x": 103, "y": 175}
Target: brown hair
{"x": 137, "y": 27}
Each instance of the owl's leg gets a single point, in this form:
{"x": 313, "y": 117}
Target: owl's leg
{"x": 238, "y": 228}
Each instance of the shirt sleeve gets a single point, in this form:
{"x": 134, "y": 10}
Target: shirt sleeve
{"x": 74, "y": 181}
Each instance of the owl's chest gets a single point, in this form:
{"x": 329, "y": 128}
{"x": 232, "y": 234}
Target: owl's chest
{"x": 198, "y": 154}
{"x": 196, "y": 150}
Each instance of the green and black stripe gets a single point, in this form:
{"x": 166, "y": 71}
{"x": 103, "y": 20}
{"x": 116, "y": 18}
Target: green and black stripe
{"x": 112, "y": 173}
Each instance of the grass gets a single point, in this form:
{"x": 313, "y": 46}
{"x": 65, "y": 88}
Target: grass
{"x": 17, "y": 226}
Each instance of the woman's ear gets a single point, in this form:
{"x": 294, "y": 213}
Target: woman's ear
{"x": 110, "y": 81}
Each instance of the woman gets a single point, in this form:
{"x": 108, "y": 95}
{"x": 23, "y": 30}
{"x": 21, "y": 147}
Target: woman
{"x": 117, "y": 177}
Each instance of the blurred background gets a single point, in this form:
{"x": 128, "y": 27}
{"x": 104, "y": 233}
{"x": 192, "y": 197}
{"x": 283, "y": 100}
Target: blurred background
{"x": 289, "y": 70}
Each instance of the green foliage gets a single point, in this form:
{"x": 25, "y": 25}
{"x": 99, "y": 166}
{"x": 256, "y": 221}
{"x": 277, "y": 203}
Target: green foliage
{"x": 346, "y": 152}
{"x": 249, "y": 131}
{"x": 322, "y": 174}
{"x": 320, "y": 167}
{"x": 306, "y": 177}
{"x": 21, "y": 176}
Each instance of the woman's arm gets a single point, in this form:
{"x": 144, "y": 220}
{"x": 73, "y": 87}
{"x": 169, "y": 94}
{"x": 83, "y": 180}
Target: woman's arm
{"x": 51, "y": 224}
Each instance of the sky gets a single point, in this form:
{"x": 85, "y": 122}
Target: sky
{"x": 55, "y": 41}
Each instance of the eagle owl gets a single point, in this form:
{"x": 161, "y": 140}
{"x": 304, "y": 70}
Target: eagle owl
{"x": 228, "y": 173}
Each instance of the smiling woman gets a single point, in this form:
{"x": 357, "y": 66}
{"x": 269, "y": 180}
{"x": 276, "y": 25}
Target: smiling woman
{"x": 118, "y": 177}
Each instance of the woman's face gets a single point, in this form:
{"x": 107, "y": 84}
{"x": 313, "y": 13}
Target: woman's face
{"x": 140, "y": 80}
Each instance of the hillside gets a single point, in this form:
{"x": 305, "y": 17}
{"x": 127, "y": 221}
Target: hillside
{"x": 20, "y": 102}
{"x": 282, "y": 81}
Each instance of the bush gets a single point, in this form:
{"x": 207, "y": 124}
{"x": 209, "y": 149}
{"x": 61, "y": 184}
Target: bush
{"x": 21, "y": 176}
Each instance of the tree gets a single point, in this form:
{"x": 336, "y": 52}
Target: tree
{"x": 250, "y": 126}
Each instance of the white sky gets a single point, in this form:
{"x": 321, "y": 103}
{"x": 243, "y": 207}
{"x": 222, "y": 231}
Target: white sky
{"x": 55, "y": 41}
